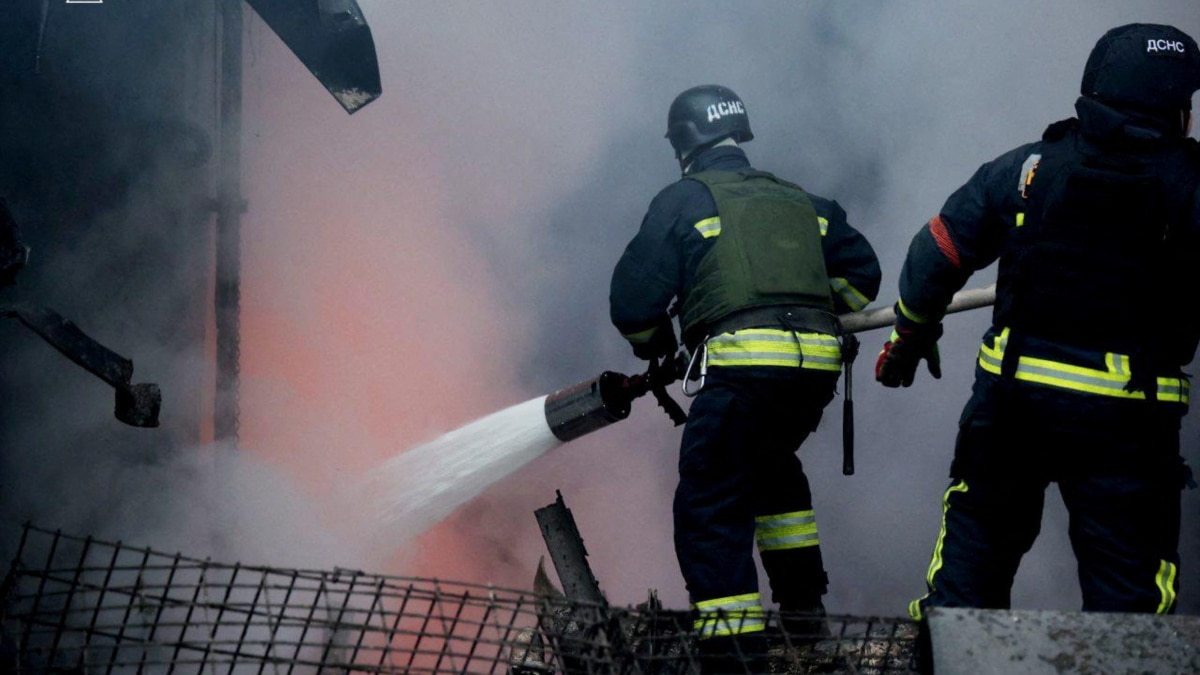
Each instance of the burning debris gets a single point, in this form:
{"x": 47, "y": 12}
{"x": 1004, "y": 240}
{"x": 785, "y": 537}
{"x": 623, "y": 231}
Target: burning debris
{"x": 85, "y": 605}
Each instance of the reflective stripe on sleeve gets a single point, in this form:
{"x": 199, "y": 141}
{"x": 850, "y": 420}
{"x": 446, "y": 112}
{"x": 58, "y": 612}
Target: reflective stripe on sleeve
{"x": 709, "y": 227}
{"x": 640, "y": 337}
{"x": 823, "y": 223}
{"x": 733, "y": 615}
{"x": 786, "y": 531}
{"x": 907, "y": 312}
{"x": 853, "y": 298}
{"x": 775, "y": 347}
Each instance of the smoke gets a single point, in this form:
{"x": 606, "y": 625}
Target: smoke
{"x": 445, "y": 253}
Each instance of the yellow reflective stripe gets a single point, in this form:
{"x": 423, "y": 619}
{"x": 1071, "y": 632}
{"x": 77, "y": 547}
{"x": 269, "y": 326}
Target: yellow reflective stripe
{"x": 733, "y": 615}
{"x": 1111, "y": 382}
{"x": 640, "y": 336}
{"x": 919, "y": 318}
{"x": 1166, "y": 586}
{"x": 709, "y": 227}
{"x": 935, "y": 563}
{"x": 774, "y": 347}
{"x": 854, "y": 299}
{"x": 1020, "y": 218}
{"x": 823, "y": 222}
{"x": 786, "y": 531}
{"x": 732, "y": 601}
{"x": 914, "y": 608}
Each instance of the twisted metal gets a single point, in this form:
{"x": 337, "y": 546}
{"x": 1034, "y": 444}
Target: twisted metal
{"x": 83, "y": 605}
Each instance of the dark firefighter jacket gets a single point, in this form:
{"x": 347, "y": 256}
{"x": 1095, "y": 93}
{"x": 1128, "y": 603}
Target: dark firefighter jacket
{"x": 1123, "y": 306}
{"x": 660, "y": 262}
{"x": 13, "y": 253}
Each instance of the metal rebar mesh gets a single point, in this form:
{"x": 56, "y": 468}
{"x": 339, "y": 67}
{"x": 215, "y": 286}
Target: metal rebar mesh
{"x": 73, "y": 604}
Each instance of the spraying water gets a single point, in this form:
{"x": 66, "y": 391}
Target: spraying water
{"x": 424, "y": 485}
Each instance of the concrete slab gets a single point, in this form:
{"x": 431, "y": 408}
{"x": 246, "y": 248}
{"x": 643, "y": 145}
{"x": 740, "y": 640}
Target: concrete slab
{"x": 1003, "y": 642}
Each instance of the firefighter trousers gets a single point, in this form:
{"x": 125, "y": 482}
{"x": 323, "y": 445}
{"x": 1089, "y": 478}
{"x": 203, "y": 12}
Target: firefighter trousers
{"x": 741, "y": 483}
{"x": 1118, "y": 469}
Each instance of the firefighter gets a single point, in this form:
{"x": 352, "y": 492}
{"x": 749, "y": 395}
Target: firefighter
{"x": 13, "y": 254}
{"x": 759, "y": 269}
{"x": 1097, "y": 231}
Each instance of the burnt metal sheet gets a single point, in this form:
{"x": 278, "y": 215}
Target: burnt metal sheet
{"x": 1000, "y": 642}
{"x": 137, "y": 405}
{"x": 333, "y": 40}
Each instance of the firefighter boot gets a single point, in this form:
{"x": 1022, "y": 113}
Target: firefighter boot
{"x": 798, "y": 581}
{"x": 734, "y": 655}
{"x": 804, "y": 624}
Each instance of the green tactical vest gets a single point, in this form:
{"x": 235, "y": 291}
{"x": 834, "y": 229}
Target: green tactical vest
{"x": 768, "y": 251}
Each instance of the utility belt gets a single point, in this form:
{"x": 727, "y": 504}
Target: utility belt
{"x": 787, "y": 336}
{"x": 795, "y": 318}
{"x": 805, "y": 337}
{"x": 1113, "y": 380}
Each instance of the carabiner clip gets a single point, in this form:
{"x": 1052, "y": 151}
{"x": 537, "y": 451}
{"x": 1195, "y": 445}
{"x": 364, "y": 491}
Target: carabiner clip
{"x": 702, "y": 353}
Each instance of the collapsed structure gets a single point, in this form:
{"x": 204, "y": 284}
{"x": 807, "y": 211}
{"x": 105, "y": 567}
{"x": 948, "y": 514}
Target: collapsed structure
{"x": 78, "y": 604}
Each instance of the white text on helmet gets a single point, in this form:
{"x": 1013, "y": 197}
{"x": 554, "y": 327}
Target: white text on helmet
{"x": 718, "y": 110}
{"x": 1161, "y": 46}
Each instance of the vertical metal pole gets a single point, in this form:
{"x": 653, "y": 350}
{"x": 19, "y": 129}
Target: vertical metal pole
{"x": 229, "y": 241}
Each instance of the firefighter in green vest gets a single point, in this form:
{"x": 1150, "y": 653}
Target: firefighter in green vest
{"x": 759, "y": 269}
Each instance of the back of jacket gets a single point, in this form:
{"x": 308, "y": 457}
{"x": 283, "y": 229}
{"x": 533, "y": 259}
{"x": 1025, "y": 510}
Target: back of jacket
{"x": 681, "y": 227}
{"x": 1096, "y": 227}
{"x": 1105, "y": 232}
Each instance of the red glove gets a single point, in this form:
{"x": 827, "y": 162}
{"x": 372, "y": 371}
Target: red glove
{"x": 899, "y": 358}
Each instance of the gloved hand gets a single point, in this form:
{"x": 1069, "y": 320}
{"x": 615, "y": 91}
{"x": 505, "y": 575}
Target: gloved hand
{"x": 899, "y": 358}
{"x": 661, "y": 342}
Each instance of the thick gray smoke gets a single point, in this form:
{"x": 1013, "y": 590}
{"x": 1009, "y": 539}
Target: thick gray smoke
{"x": 446, "y": 252}
{"x": 546, "y": 125}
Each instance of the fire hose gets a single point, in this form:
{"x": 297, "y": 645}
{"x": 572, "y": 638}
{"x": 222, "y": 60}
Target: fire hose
{"x": 607, "y": 398}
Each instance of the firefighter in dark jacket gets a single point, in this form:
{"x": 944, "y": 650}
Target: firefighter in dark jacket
{"x": 759, "y": 269}
{"x": 13, "y": 254}
{"x": 1078, "y": 381}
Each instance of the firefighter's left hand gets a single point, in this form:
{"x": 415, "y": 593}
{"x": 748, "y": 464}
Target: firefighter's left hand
{"x": 660, "y": 343}
{"x": 899, "y": 358}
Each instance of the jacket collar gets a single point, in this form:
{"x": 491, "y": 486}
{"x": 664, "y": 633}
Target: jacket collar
{"x": 1105, "y": 123}
{"x": 721, "y": 158}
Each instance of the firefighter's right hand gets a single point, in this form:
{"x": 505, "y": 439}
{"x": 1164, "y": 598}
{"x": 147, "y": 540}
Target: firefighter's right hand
{"x": 658, "y": 342}
{"x": 899, "y": 358}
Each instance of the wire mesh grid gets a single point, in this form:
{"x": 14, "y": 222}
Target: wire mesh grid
{"x": 82, "y": 605}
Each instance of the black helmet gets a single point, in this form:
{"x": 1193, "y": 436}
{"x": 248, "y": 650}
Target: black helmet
{"x": 704, "y": 115}
{"x": 1145, "y": 66}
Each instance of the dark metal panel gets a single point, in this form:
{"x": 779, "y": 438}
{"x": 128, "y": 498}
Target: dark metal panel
{"x": 333, "y": 40}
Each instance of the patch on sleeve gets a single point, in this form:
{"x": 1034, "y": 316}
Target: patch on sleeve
{"x": 941, "y": 235}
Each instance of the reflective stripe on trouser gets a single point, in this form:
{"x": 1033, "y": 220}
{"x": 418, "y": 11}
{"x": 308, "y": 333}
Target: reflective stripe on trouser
{"x": 738, "y": 461}
{"x": 935, "y": 563}
{"x": 1117, "y": 467}
{"x": 1110, "y": 382}
{"x": 775, "y": 347}
{"x": 1166, "y": 580}
{"x": 734, "y": 615}
{"x": 786, "y": 531}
